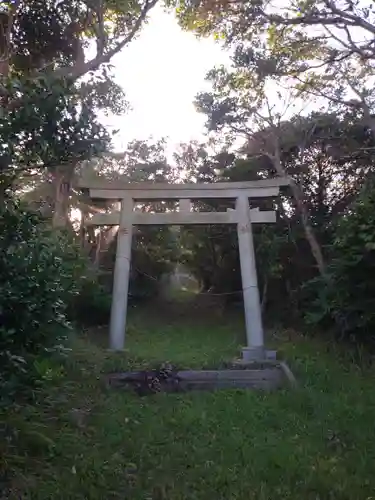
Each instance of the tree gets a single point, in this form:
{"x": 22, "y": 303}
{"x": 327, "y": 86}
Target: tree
{"x": 43, "y": 60}
{"x": 330, "y": 158}
{"x": 353, "y": 20}
{"x": 345, "y": 298}
{"x": 50, "y": 133}
{"x": 154, "y": 248}
{"x": 238, "y": 106}
{"x": 202, "y": 249}
{"x": 40, "y": 36}
{"x": 323, "y": 49}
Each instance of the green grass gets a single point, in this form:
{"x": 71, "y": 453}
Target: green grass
{"x": 316, "y": 442}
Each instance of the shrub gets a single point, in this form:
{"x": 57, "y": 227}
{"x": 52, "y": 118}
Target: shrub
{"x": 345, "y": 297}
{"x": 92, "y": 306}
{"x": 40, "y": 273}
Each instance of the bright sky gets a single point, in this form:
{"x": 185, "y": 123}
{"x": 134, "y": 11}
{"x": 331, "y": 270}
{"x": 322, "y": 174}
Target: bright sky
{"x": 161, "y": 73}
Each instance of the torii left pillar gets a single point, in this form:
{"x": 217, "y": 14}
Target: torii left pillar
{"x": 121, "y": 276}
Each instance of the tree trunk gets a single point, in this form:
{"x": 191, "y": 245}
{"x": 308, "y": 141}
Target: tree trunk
{"x": 305, "y": 216}
{"x": 62, "y": 181}
{"x": 98, "y": 248}
{"x": 104, "y": 240}
{"x": 6, "y": 23}
{"x": 264, "y": 295}
{"x": 206, "y": 283}
{"x": 82, "y": 232}
{"x": 309, "y": 231}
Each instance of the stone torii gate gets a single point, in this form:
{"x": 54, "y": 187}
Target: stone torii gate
{"x": 242, "y": 216}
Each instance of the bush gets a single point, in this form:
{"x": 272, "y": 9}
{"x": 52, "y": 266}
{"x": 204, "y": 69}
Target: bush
{"x": 345, "y": 297}
{"x": 92, "y": 306}
{"x": 40, "y": 273}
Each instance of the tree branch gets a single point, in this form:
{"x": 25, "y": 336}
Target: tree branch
{"x": 77, "y": 71}
{"x": 341, "y": 42}
{"x": 318, "y": 93}
{"x": 99, "y": 28}
{"x": 354, "y": 20}
{"x": 338, "y": 17}
{"x": 311, "y": 20}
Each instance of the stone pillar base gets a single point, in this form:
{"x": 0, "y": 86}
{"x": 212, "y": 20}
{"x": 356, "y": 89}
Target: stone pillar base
{"x": 250, "y": 354}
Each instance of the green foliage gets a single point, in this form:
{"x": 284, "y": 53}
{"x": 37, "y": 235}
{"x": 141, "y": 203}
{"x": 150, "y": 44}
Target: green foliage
{"x": 92, "y": 305}
{"x": 40, "y": 273}
{"x": 346, "y": 296}
{"x": 155, "y": 249}
{"x": 315, "y": 151}
{"x": 154, "y": 253}
{"x": 211, "y": 255}
{"x": 297, "y": 47}
{"x": 48, "y": 118}
{"x": 47, "y": 128}
{"x": 50, "y": 35}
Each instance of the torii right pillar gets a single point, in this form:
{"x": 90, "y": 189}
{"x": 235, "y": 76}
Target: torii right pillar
{"x": 253, "y": 316}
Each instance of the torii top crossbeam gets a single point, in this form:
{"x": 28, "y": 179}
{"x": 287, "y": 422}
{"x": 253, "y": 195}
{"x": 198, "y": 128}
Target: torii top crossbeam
{"x": 242, "y": 216}
{"x": 101, "y": 188}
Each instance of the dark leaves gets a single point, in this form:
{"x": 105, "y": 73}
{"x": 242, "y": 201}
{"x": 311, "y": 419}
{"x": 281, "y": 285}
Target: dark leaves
{"x": 40, "y": 272}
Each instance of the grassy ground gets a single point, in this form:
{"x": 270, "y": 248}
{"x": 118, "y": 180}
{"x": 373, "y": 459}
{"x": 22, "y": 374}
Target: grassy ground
{"x": 316, "y": 442}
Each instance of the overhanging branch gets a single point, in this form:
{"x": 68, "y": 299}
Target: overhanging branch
{"x": 77, "y": 71}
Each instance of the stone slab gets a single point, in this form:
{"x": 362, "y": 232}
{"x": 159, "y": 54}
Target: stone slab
{"x": 267, "y": 378}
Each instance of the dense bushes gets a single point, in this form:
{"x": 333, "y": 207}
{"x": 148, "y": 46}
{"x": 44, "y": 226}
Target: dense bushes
{"x": 92, "y": 305}
{"x": 345, "y": 297}
{"x": 41, "y": 271}
{"x": 45, "y": 280}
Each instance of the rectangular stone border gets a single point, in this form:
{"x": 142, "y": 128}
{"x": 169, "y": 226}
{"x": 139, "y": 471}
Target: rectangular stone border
{"x": 271, "y": 377}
